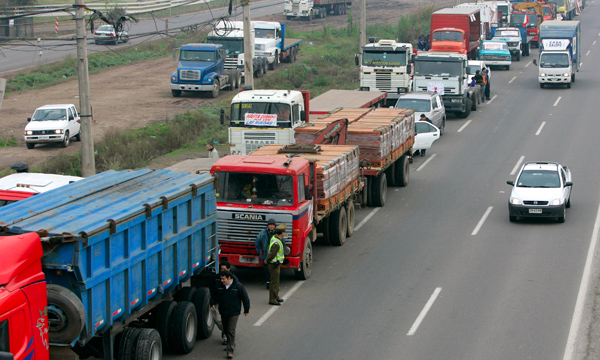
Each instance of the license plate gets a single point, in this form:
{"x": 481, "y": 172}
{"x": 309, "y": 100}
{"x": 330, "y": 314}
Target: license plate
{"x": 535, "y": 211}
{"x": 248, "y": 260}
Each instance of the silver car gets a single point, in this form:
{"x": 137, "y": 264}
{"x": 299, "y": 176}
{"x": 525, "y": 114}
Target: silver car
{"x": 428, "y": 103}
{"x": 106, "y": 34}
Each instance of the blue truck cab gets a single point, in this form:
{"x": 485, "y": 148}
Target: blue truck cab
{"x": 201, "y": 68}
{"x": 495, "y": 53}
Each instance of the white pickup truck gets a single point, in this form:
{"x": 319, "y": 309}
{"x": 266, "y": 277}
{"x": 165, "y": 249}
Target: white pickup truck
{"x": 53, "y": 124}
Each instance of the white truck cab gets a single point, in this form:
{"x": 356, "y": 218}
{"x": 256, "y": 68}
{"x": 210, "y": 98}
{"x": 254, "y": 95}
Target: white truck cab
{"x": 53, "y": 124}
{"x": 513, "y": 39}
{"x": 264, "y": 117}
{"x": 268, "y": 38}
{"x": 555, "y": 66}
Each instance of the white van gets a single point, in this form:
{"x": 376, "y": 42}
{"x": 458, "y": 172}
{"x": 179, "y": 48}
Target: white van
{"x": 53, "y": 124}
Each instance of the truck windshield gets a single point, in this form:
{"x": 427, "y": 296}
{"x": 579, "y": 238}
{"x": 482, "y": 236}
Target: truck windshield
{"x": 264, "y": 33}
{"x": 416, "y": 104}
{"x": 447, "y": 36}
{"x": 539, "y": 178}
{"x": 261, "y": 114}
{"x": 549, "y": 60}
{"x": 384, "y": 58}
{"x": 231, "y": 45}
{"x": 508, "y": 33}
{"x": 49, "y": 114}
{"x": 438, "y": 68}
{"x": 248, "y": 188}
{"x": 518, "y": 20}
{"x": 197, "y": 55}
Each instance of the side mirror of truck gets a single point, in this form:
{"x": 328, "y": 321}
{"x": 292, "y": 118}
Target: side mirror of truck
{"x": 308, "y": 192}
{"x": 222, "y": 117}
{"x": 409, "y": 68}
{"x": 357, "y": 59}
{"x": 303, "y": 116}
{"x": 535, "y": 62}
{"x": 6, "y": 356}
{"x": 28, "y": 119}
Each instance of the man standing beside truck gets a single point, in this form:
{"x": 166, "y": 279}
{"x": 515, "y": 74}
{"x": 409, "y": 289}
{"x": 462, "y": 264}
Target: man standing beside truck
{"x": 262, "y": 243}
{"x": 275, "y": 258}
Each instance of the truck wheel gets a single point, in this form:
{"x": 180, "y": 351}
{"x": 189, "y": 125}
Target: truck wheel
{"x": 402, "y": 171}
{"x": 573, "y": 77}
{"x": 306, "y": 265}
{"x": 176, "y": 93}
{"x": 507, "y": 67}
{"x": 238, "y": 79}
{"x": 379, "y": 190}
{"x": 185, "y": 294}
{"x": 390, "y": 173}
{"x": 273, "y": 66}
{"x": 129, "y": 339}
{"x": 474, "y": 102}
{"x": 66, "y": 315}
{"x": 339, "y": 225}
{"x": 215, "y": 90}
{"x": 466, "y": 113}
{"x": 231, "y": 81}
{"x": 183, "y": 328}
{"x": 206, "y": 322}
{"x": 443, "y": 127}
{"x": 310, "y": 16}
{"x": 526, "y": 50}
{"x": 323, "y": 228}
{"x": 350, "y": 216}
{"x": 258, "y": 71}
{"x": 518, "y": 57}
{"x": 265, "y": 66}
{"x": 162, "y": 322}
{"x": 149, "y": 346}
{"x": 65, "y": 142}
{"x": 30, "y": 145}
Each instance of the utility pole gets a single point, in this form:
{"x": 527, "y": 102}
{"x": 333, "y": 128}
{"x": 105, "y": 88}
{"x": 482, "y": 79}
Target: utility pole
{"x": 88, "y": 165}
{"x": 363, "y": 24}
{"x": 248, "y": 46}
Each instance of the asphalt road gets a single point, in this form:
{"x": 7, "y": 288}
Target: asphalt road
{"x": 440, "y": 272}
{"x": 21, "y": 57}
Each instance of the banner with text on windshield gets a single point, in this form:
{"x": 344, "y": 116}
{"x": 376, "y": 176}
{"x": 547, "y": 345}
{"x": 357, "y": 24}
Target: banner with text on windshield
{"x": 260, "y": 119}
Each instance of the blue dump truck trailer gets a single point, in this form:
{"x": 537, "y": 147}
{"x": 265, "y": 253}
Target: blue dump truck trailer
{"x": 559, "y": 52}
{"x": 117, "y": 249}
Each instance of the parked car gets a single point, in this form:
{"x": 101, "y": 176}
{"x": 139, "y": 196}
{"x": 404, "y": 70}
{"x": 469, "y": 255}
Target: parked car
{"x": 53, "y": 124}
{"x": 543, "y": 189}
{"x": 473, "y": 66}
{"x": 428, "y": 103}
{"x": 425, "y": 134}
{"x": 106, "y": 34}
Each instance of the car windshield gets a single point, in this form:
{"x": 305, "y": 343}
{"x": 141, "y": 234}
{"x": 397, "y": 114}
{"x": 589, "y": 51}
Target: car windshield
{"x": 539, "y": 179}
{"x": 438, "y": 68}
{"x": 197, "y": 55}
{"x": 49, "y": 114}
{"x": 472, "y": 69}
{"x": 549, "y": 60}
{"x": 384, "y": 58}
{"x": 105, "y": 28}
{"x": 264, "y": 33}
{"x": 261, "y": 114}
{"x": 447, "y": 36}
{"x": 231, "y": 45}
{"x": 416, "y": 104}
{"x": 248, "y": 188}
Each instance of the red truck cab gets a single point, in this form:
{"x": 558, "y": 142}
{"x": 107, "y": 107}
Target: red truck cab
{"x": 23, "y": 299}
{"x": 456, "y": 30}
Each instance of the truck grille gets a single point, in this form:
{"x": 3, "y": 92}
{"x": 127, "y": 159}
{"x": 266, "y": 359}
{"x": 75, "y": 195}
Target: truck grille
{"x": 383, "y": 82}
{"x": 296, "y": 7}
{"x": 513, "y": 44}
{"x": 231, "y": 63}
{"x": 193, "y": 75}
{"x": 43, "y": 132}
{"x": 254, "y": 140}
{"x": 246, "y": 231}
{"x": 495, "y": 57}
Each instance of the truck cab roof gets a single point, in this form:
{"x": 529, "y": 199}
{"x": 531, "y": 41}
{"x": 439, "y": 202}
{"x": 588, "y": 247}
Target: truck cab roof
{"x": 260, "y": 164}
{"x": 387, "y": 45}
{"x": 201, "y": 47}
{"x": 452, "y": 56}
{"x": 284, "y": 96}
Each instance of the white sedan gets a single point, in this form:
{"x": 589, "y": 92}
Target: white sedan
{"x": 425, "y": 134}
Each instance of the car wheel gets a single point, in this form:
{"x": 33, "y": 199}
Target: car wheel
{"x": 542, "y": 85}
{"x": 568, "y": 85}
{"x": 561, "y": 219}
{"x": 66, "y": 140}
{"x": 512, "y": 218}
{"x": 443, "y": 127}
{"x": 568, "y": 204}
{"x": 78, "y": 136}
{"x": 30, "y": 145}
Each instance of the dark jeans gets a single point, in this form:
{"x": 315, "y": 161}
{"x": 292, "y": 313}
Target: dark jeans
{"x": 274, "y": 270}
{"x": 229, "y": 325}
{"x": 487, "y": 90}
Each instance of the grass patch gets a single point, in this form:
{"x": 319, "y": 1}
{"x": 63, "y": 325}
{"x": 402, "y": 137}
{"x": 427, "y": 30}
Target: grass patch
{"x": 8, "y": 140}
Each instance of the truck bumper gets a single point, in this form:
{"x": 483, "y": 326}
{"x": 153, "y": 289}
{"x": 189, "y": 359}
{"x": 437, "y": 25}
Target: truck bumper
{"x": 554, "y": 79}
{"x": 457, "y": 105}
{"x": 254, "y": 261}
{"x": 191, "y": 87}
{"x": 497, "y": 62}
{"x": 39, "y": 139}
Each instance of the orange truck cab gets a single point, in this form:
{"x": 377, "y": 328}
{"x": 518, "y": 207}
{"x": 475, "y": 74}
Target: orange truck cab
{"x": 456, "y": 30}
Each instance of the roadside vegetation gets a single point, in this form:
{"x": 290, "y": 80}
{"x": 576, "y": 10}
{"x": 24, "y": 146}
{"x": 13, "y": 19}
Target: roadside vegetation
{"x": 326, "y": 61}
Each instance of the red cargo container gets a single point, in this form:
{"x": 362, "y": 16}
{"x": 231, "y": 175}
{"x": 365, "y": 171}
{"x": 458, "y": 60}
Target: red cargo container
{"x": 456, "y": 30}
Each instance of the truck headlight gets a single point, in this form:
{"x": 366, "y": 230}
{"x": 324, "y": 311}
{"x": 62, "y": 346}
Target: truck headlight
{"x": 515, "y": 201}
{"x": 29, "y": 132}
{"x": 542, "y": 74}
{"x": 209, "y": 81}
{"x": 58, "y": 131}
{"x": 456, "y": 100}
{"x": 567, "y": 74}
{"x": 173, "y": 78}
{"x": 556, "y": 202}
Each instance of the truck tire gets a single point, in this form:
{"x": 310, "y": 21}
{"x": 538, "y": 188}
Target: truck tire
{"x": 162, "y": 322}
{"x": 238, "y": 79}
{"x": 402, "y": 171}
{"x": 379, "y": 190}
{"x": 507, "y": 67}
{"x": 258, "y": 71}
{"x": 185, "y": 294}
{"x": 183, "y": 328}
{"x": 216, "y": 89}
{"x": 310, "y": 16}
{"x": 518, "y": 57}
{"x": 466, "y": 113}
{"x": 206, "y": 322}
{"x": 275, "y": 63}
{"x": 149, "y": 346}
{"x": 339, "y": 226}
{"x": 65, "y": 142}
{"x": 475, "y": 101}
{"x": 526, "y": 50}
{"x": 265, "y": 66}
{"x": 573, "y": 77}
{"x": 127, "y": 345}
{"x": 176, "y": 93}
{"x": 66, "y": 315}
{"x": 306, "y": 265}
{"x": 231, "y": 80}
{"x": 443, "y": 127}
{"x": 350, "y": 216}
{"x": 30, "y": 145}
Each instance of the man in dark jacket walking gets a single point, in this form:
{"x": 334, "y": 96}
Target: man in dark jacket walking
{"x": 261, "y": 243}
{"x": 230, "y": 296}
{"x": 223, "y": 266}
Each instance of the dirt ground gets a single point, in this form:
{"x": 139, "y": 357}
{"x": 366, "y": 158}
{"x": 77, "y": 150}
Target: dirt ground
{"x": 137, "y": 95}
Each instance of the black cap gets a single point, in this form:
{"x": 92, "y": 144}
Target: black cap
{"x": 271, "y": 222}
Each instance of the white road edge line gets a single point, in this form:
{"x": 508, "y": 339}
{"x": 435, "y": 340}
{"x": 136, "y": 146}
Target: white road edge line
{"x": 493, "y": 97}
{"x": 415, "y": 325}
{"x": 483, "y": 218}
{"x": 587, "y": 53}
{"x": 594, "y": 43}
{"x": 273, "y": 309}
{"x": 426, "y": 162}
{"x": 513, "y": 79}
{"x": 364, "y": 221}
{"x": 517, "y": 165}
{"x": 583, "y": 291}
{"x": 540, "y": 129}
{"x": 529, "y": 63}
{"x": 557, "y": 100}
{"x": 465, "y": 125}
